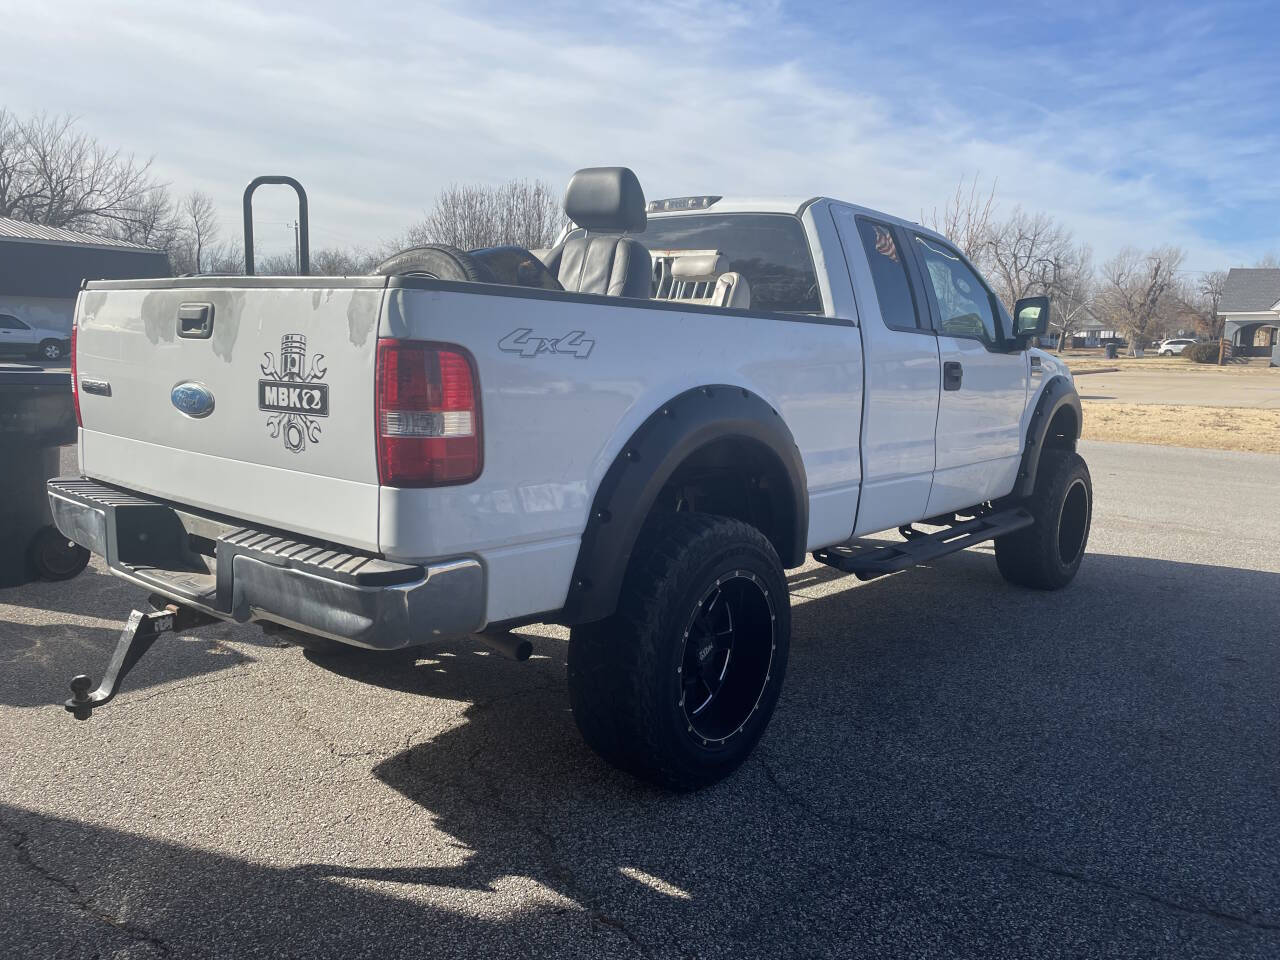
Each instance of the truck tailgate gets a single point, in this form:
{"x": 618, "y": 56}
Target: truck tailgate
{"x": 252, "y": 400}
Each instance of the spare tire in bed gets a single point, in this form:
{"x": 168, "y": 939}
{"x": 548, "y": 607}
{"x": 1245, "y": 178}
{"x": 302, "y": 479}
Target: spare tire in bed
{"x": 516, "y": 267}
{"x": 438, "y": 261}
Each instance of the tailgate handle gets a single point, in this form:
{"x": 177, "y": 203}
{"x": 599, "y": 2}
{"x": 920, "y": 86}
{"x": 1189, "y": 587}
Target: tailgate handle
{"x": 195, "y": 321}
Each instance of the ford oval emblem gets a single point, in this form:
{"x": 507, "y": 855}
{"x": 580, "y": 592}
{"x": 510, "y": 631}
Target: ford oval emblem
{"x": 192, "y": 399}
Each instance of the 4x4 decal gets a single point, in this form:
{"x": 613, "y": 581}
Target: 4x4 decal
{"x": 520, "y": 341}
{"x": 293, "y": 394}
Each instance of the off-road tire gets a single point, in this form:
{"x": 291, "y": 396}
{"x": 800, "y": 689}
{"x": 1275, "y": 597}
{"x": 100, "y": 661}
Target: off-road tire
{"x": 1047, "y": 554}
{"x": 438, "y": 261}
{"x": 627, "y": 676}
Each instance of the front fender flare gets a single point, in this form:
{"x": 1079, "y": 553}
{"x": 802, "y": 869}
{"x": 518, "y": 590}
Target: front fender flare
{"x": 1059, "y": 392}
{"x": 673, "y": 432}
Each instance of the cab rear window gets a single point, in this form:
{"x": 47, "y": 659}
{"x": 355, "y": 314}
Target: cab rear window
{"x": 770, "y": 250}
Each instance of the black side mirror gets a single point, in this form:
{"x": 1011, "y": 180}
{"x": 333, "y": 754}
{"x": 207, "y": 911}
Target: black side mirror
{"x": 1031, "y": 317}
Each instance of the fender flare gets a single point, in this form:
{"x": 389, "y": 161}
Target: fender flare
{"x": 677, "y": 429}
{"x": 1059, "y": 392}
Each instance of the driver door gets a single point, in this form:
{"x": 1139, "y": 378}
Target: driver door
{"x": 10, "y": 335}
{"x": 984, "y": 382}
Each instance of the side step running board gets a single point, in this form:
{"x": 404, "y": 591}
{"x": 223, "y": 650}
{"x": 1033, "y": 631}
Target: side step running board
{"x": 867, "y": 559}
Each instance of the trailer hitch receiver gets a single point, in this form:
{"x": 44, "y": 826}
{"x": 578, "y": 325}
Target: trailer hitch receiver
{"x": 139, "y": 633}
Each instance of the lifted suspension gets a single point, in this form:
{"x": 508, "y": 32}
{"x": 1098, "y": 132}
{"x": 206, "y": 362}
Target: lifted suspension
{"x": 139, "y": 633}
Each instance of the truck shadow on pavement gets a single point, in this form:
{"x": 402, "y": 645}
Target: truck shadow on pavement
{"x": 1110, "y": 749}
{"x": 147, "y": 898}
{"x": 80, "y": 622}
{"x": 1095, "y": 771}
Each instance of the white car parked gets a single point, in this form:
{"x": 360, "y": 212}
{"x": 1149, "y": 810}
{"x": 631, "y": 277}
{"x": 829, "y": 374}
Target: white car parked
{"x": 1169, "y": 348}
{"x": 18, "y": 336}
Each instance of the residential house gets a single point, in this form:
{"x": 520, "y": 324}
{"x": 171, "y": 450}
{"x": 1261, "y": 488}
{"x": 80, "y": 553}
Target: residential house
{"x": 1250, "y": 309}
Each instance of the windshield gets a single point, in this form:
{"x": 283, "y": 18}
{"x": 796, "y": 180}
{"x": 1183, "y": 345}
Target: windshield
{"x": 769, "y": 249}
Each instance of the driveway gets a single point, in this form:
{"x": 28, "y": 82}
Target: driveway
{"x": 957, "y": 768}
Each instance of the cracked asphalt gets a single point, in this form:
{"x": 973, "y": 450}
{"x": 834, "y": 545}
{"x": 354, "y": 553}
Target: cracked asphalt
{"x": 957, "y": 768}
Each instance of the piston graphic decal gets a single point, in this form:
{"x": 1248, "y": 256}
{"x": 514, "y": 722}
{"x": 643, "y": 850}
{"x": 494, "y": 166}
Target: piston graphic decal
{"x": 293, "y": 393}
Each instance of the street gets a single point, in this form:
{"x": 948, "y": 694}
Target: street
{"x": 1253, "y": 386}
{"x": 957, "y": 768}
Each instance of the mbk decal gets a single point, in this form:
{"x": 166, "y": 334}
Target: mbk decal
{"x": 571, "y": 344}
{"x": 293, "y": 393}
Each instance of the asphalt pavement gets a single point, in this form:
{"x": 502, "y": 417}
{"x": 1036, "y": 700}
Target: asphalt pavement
{"x": 957, "y": 768}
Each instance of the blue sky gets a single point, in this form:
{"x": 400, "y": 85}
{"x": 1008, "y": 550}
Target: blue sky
{"x": 1135, "y": 124}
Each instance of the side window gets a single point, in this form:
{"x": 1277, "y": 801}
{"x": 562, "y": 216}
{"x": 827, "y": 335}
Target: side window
{"x": 10, "y": 323}
{"x": 889, "y": 273}
{"x": 964, "y": 305}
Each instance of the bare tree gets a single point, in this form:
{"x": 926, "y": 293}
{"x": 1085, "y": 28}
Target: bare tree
{"x": 1024, "y": 253}
{"x": 332, "y": 262}
{"x": 14, "y": 167}
{"x": 1139, "y": 290}
{"x": 226, "y": 257}
{"x": 327, "y": 262}
{"x": 966, "y": 219}
{"x": 1030, "y": 254}
{"x": 1074, "y": 297}
{"x": 522, "y": 212}
{"x": 198, "y": 228}
{"x": 1268, "y": 262}
{"x": 1201, "y": 300}
{"x": 53, "y": 175}
{"x": 155, "y": 223}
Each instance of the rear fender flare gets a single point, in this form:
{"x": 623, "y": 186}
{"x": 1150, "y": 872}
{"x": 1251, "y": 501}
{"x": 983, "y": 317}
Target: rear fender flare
{"x": 649, "y": 458}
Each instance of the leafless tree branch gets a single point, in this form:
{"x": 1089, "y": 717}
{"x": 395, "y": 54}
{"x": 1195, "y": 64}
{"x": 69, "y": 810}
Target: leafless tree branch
{"x": 966, "y": 219}
{"x": 52, "y": 174}
{"x": 1140, "y": 290}
{"x": 470, "y": 216}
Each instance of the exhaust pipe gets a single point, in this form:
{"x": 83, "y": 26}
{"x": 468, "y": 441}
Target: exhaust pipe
{"x": 510, "y": 645}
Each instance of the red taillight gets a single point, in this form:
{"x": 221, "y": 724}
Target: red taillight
{"x": 75, "y": 379}
{"x": 428, "y": 415}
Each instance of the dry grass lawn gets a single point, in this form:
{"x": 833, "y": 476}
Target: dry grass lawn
{"x": 1213, "y": 428}
{"x": 1085, "y": 364}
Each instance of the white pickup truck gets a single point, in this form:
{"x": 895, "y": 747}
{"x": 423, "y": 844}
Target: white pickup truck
{"x": 634, "y": 433}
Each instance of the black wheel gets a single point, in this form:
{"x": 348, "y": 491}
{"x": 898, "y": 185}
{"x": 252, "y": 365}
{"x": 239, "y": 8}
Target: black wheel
{"x": 51, "y": 350}
{"x": 1047, "y": 554}
{"x": 679, "y": 684}
{"x": 438, "y": 261}
{"x": 54, "y": 557}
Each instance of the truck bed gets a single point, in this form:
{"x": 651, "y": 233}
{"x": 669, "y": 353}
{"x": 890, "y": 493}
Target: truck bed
{"x": 553, "y": 420}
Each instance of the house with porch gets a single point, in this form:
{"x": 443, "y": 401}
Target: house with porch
{"x": 1092, "y": 332}
{"x": 1250, "y": 309}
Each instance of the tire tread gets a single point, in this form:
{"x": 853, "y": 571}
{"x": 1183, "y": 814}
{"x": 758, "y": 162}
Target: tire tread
{"x": 1028, "y": 557}
{"x": 615, "y": 705}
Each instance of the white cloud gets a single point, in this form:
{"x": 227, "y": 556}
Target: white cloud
{"x": 376, "y": 107}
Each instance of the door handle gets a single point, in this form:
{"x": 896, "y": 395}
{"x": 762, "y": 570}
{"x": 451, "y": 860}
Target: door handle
{"x": 952, "y": 375}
